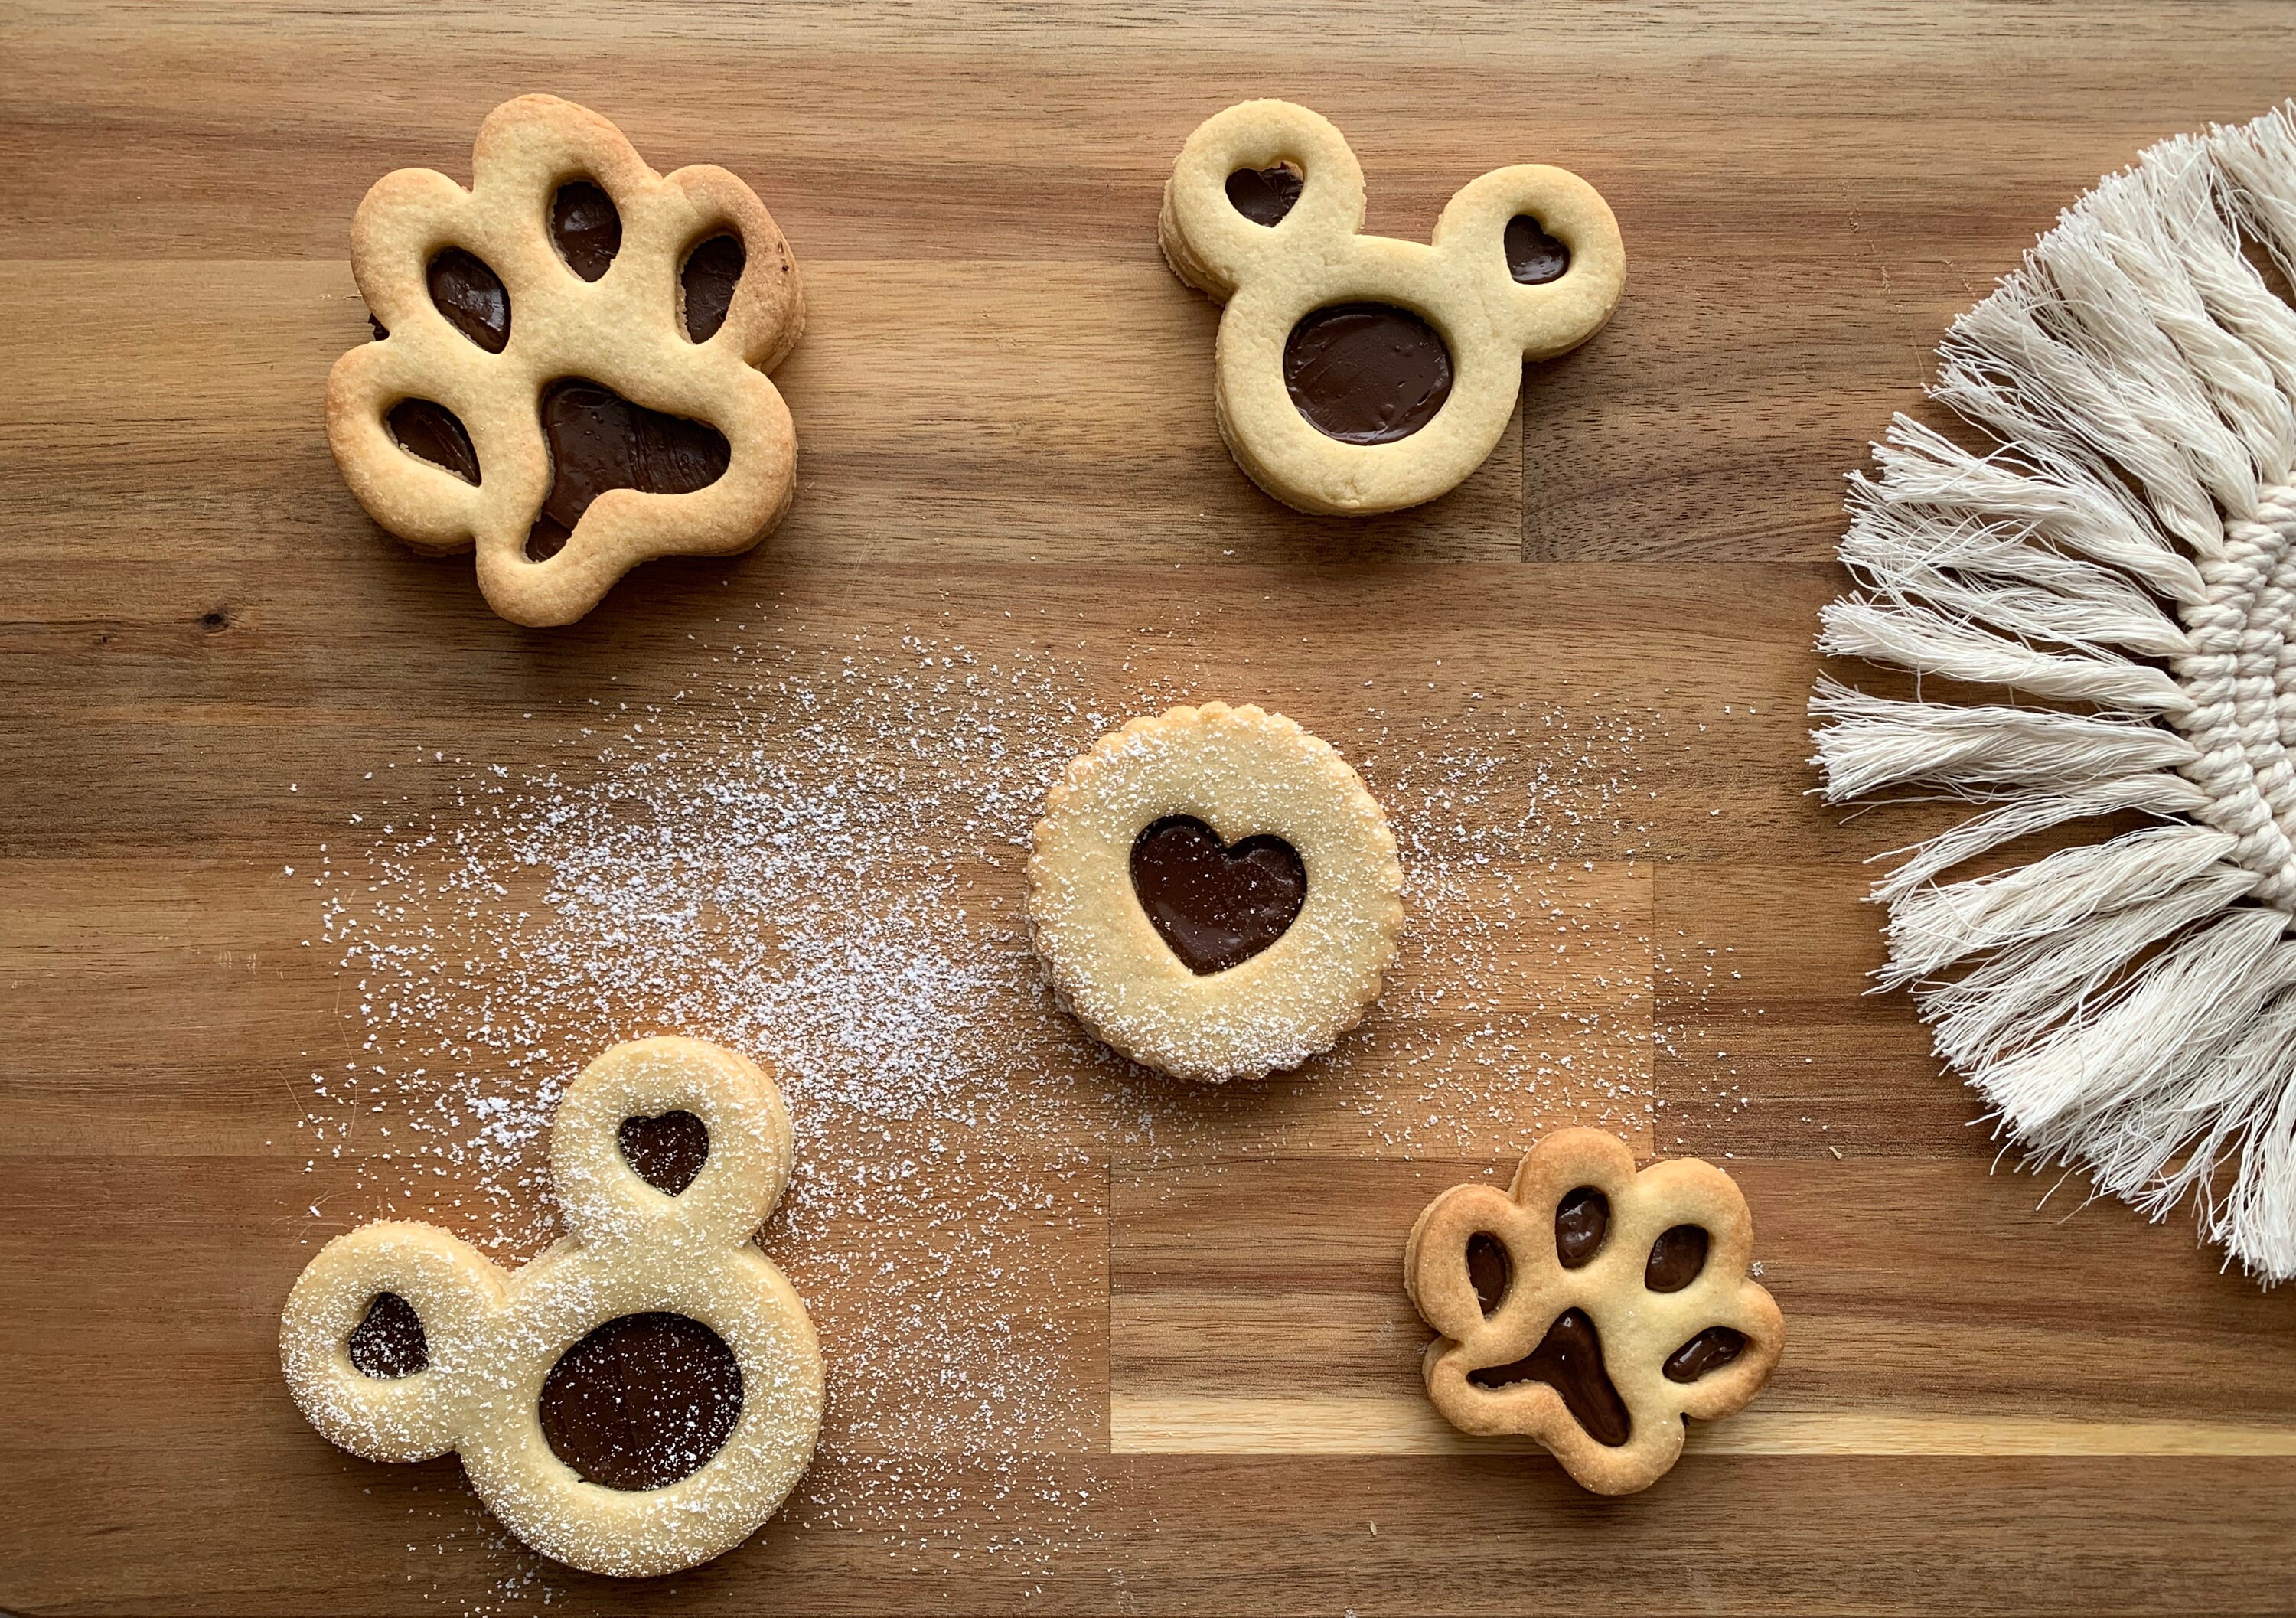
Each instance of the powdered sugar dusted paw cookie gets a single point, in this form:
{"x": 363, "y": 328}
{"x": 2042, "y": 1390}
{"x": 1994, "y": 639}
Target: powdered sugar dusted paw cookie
{"x": 1359, "y": 374}
{"x": 1214, "y": 893}
{"x": 1592, "y": 1307}
{"x": 643, "y": 1395}
{"x": 567, "y": 368}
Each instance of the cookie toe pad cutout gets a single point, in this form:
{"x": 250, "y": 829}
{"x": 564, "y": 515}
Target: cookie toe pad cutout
{"x": 1626, "y": 1306}
{"x": 1257, "y": 926}
{"x": 1412, "y": 389}
{"x": 570, "y": 301}
{"x": 639, "y": 1398}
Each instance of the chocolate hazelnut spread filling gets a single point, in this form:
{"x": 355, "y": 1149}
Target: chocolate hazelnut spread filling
{"x": 1533, "y": 257}
{"x": 471, "y": 297}
{"x": 1216, "y": 907}
{"x": 642, "y": 1401}
{"x": 1676, "y": 1258}
{"x": 1265, "y": 195}
{"x": 667, "y": 1150}
{"x": 600, "y": 441}
{"x": 1366, "y": 373}
{"x": 711, "y": 272}
{"x": 1582, "y": 1218}
{"x": 586, "y": 228}
{"x": 1490, "y": 1269}
{"x": 435, "y": 434}
{"x": 1569, "y": 1359}
{"x": 388, "y": 1342}
{"x": 1712, "y": 1349}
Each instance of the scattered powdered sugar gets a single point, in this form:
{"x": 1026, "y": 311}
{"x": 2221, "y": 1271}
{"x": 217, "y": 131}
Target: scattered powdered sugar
{"x": 814, "y": 854}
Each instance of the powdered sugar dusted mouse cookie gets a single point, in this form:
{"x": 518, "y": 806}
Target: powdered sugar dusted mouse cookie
{"x": 1359, "y": 374}
{"x": 567, "y": 366}
{"x": 642, "y": 1396}
{"x": 1214, "y": 893}
{"x": 1592, "y": 1307}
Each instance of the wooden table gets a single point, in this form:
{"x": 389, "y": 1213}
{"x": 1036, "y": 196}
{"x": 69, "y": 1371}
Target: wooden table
{"x": 1186, "y": 1372}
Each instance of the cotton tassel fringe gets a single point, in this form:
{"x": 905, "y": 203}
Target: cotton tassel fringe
{"x": 2123, "y": 557}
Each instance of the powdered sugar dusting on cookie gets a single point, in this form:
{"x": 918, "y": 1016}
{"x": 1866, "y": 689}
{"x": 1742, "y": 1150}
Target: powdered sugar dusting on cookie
{"x": 813, "y": 853}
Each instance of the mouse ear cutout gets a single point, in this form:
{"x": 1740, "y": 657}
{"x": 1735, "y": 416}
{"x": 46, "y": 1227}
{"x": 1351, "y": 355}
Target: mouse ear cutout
{"x": 1212, "y": 244}
{"x": 611, "y": 1181}
{"x": 405, "y": 1403}
{"x": 1570, "y": 263}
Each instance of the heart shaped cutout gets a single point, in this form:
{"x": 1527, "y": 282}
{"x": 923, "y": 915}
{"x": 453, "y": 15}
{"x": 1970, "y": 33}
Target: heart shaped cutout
{"x": 1216, "y": 907}
{"x": 667, "y": 1150}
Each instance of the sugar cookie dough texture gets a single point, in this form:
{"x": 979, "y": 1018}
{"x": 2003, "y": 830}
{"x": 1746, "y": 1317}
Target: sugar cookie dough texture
{"x": 491, "y": 1338}
{"x": 631, "y": 331}
{"x": 1314, "y": 258}
{"x": 1244, "y": 774}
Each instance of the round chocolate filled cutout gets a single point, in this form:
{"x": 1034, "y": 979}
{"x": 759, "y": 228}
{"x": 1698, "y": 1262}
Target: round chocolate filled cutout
{"x": 1366, "y": 373}
{"x": 642, "y": 1401}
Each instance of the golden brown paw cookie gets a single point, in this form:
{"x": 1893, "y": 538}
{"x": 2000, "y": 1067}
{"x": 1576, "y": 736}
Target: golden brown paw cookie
{"x": 1357, "y": 374}
{"x": 1214, "y": 893}
{"x": 566, "y": 369}
{"x": 642, "y": 1396}
{"x": 1593, "y": 1308}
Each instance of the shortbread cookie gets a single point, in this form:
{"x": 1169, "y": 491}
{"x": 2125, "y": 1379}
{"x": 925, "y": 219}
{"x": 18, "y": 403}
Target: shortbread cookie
{"x": 1592, "y": 1307}
{"x": 566, "y": 369}
{"x": 1357, "y": 374}
{"x": 642, "y": 1396}
{"x": 1214, "y": 893}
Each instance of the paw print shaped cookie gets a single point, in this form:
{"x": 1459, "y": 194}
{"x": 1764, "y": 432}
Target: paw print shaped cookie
{"x": 1214, "y": 893}
{"x": 567, "y": 366}
{"x": 643, "y": 1395}
{"x": 1359, "y": 374}
{"x": 1592, "y": 1307}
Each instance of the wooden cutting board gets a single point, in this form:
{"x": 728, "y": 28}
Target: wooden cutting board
{"x": 1181, "y": 1373}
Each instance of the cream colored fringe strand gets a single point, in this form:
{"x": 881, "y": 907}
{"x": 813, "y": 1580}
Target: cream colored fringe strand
{"x": 2124, "y": 558}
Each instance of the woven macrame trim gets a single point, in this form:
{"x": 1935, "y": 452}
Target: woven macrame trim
{"x": 2119, "y": 564}
{"x": 2240, "y": 676}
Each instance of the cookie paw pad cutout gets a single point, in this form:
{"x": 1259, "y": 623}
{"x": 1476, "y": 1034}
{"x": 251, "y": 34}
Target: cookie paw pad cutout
{"x": 1592, "y": 1307}
{"x": 643, "y": 1395}
{"x": 1359, "y": 374}
{"x": 1214, "y": 893}
{"x": 567, "y": 369}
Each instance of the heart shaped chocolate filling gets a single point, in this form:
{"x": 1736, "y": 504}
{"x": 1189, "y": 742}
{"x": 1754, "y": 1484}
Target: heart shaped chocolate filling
{"x": 667, "y": 1150}
{"x": 1216, "y": 906}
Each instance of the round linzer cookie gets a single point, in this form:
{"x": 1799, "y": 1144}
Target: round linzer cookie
{"x": 642, "y": 1396}
{"x": 1359, "y": 374}
{"x": 1593, "y": 1308}
{"x": 1214, "y": 893}
{"x": 567, "y": 366}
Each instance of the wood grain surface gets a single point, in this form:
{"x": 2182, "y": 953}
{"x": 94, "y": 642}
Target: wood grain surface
{"x": 213, "y": 662}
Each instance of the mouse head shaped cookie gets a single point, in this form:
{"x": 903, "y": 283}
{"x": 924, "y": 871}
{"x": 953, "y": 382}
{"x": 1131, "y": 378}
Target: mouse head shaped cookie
{"x": 1214, "y": 893}
{"x": 1357, "y": 374}
{"x": 643, "y": 1395}
{"x": 1593, "y": 1308}
{"x": 565, "y": 370}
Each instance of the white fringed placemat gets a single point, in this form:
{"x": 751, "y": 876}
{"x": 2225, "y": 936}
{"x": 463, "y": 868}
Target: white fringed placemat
{"x": 2121, "y": 556}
